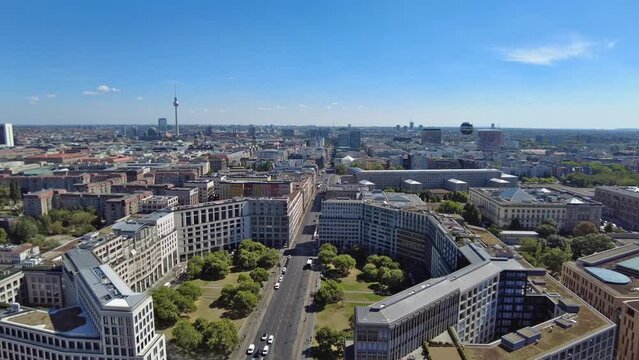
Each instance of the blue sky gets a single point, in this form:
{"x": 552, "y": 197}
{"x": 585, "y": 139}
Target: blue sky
{"x": 556, "y": 64}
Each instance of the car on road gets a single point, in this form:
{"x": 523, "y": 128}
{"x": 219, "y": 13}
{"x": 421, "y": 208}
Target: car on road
{"x": 289, "y": 256}
{"x": 284, "y": 270}
{"x": 276, "y": 287}
{"x": 265, "y": 350}
{"x": 250, "y": 349}
{"x": 281, "y": 278}
{"x": 270, "y": 339}
{"x": 264, "y": 336}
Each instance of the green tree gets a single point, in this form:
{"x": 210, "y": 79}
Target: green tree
{"x": 382, "y": 261}
{"x": 528, "y": 245}
{"x": 326, "y": 254}
{"x": 244, "y": 302}
{"x": 216, "y": 266}
{"x": 392, "y": 279}
{"x": 471, "y": 214}
{"x": 584, "y": 228}
{"x": 343, "y": 263}
{"x": 190, "y": 290}
{"x": 24, "y": 230}
{"x": 340, "y": 169}
{"x": 554, "y": 259}
{"x": 330, "y": 343}
{"x": 495, "y": 230}
{"x": 545, "y": 230}
{"x": 450, "y": 207}
{"x": 186, "y": 336}
{"x": 330, "y": 292}
{"x": 3, "y": 236}
{"x": 166, "y": 313}
{"x": 268, "y": 258}
{"x": 609, "y": 228}
{"x": 222, "y": 337}
{"x": 194, "y": 267}
{"x": 389, "y": 189}
{"x": 259, "y": 275}
{"x": 369, "y": 272}
{"x": 458, "y": 196}
{"x": 589, "y": 244}
{"x": 14, "y": 190}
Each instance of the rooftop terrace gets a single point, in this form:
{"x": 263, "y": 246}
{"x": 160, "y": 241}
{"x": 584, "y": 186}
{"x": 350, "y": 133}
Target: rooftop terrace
{"x": 588, "y": 321}
{"x": 70, "y": 321}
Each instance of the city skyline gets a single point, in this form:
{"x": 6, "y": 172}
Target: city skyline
{"x": 541, "y": 65}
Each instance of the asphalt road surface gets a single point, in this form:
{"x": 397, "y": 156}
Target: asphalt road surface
{"x": 285, "y": 314}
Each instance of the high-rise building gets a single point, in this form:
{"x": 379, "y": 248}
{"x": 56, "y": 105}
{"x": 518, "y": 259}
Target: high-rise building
{"x": 6, "y": 134}
{"x": 162, "y": 125}
{"x": 490, "y": 140}
{"x": 350, "y": 138}
{"x": 398, "y": 128}
{"x": 431, "y": 136}
{"x": 412, "y": 126}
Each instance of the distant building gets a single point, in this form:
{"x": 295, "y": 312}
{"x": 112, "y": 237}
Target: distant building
{"x": 430, "y": 179}
{"x": 6, "y": 134}
{"x": 490, "y": 140}
{"x": 185, "y": 195}
{"x": 621, "y": 205}
{"x": 411, "y": 126}
{"x": 157, "y": 203}
{"x": 162, "y": 124}
{"x": 531, "y": 206}
{"x": 349, "y": 138}
{"x": 431, "y": 136}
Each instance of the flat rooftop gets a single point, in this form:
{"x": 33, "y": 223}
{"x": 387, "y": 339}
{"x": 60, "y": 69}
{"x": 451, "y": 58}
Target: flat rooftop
{"x": 533, "y": 195}
{"x": 588, "y": 321}
{"x": 621, "y": 259}
{"x": 68, "y": 321}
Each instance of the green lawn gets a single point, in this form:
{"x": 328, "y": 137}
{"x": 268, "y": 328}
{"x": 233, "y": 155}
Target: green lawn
{"x": 356, "y": 293}
{"x": 210, "y": 292}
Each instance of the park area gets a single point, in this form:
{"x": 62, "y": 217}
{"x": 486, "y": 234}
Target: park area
{"x": 356, "y": 293}
{"x": 205, "y": 305}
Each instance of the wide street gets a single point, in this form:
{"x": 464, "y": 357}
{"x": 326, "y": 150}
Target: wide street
{"x": 285, "y": 316}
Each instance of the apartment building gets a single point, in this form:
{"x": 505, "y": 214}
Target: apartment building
{"x": 10, "y": 282}
{"x": 430, "y": 179}
{"x": 104, "y": 320}
{"x": 224, "y": 224}
{"x": 185, "y": 195}
{"x": 609, "y": 281}
{"x": 157, "y": 203}
{"x": 228, "y": 189}
{"x": 37, "y": 203}
{"x": 140, "y": 250}
{"x": 15, "y": 254}
{"x": 531, "y": 206}
{"x": 620, "y": 205}
{"x": 43, "y": 286}
{"x": 37, "y": 183}
{"x": 205, "y": 187}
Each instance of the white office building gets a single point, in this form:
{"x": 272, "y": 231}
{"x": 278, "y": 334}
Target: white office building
{"x": 104, "y": 320}
{"x": 6, "y": 135}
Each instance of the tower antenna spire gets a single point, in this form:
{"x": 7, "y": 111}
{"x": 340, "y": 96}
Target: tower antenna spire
{"x": 176, "y": 104}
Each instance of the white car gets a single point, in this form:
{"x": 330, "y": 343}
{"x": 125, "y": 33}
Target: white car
{"x": 250, "y": 349}
{"x": 270, "y": 339}
{"x": 284, "y": 270}
{"x": 277, "y": 286}
{"x": 281, "y": 278}
{"x": 265, "y": 350}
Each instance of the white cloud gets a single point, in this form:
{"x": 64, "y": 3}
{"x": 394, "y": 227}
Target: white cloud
{"x": 280, "y": 107}
{"x": 303, "y": 106}
{"x": 263, "y": 108}
{"x": 206, "y": 110}
{"x": 33, "y": 100}
{"x": 139, "y": 98}
{"x": 50, "y": 96}
{"x": 548, "y": 55}
{"x": 101, "y": 89}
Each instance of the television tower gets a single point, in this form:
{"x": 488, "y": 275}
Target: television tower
{"x": 176, "y": 104}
